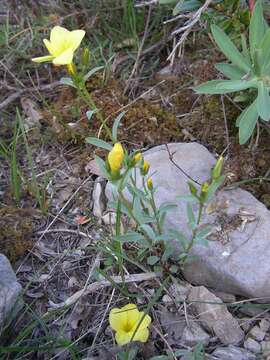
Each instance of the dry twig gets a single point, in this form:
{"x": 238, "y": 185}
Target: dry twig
{"x": 105, "y": 283}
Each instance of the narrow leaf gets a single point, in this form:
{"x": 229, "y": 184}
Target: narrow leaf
{"x": 247, "y": 123}
{"x": 116, "y": 125}
{"x": 92, "y": 72}
{"x": 231, "y": 71}
{"x": 224, "y": 86}
{"x": 256, "y": 28}
{"x": 229, "y": 49}
{"x": 99, "y": 143}
{"x": 263, "y": 101}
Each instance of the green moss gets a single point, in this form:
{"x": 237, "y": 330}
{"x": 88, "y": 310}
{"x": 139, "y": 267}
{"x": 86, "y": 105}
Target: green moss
{"x": 16, "y": 228}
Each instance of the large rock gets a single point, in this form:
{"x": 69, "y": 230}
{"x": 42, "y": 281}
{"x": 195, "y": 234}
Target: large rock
{"x": 237, "y": 258}
{"x": 214, "y": 316}
{"x": 232, "y": 353}
{"x": 9, "y": 291}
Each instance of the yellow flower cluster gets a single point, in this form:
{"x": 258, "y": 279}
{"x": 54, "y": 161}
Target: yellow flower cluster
{"x": 61, "y": 46}
{"x": 129, "y": 324}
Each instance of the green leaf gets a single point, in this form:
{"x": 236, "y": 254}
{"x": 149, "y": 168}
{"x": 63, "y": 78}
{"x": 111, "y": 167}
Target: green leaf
{"x": 229, "y": 49}
{"x": 184, "y": 6}
{"x": 214, "y": 186}
{"x": 256, "y": 28}
{"x": 191, "y": 217}
{"x": 149, "y": 231}
{"x": 90, "y": 113}
{"x": 265, "y": 46}
{"x": 165, "y": 207}
{"x": 166, "y": 2}
{"x": 224, "y": 86}
{"x": 99, "y": 143}
{"x": 231, "y": 71}
{"x": 92, "y": 72}
{"x": 263, "y": 101}
{"x": 116, "y": 125}
{"x": 152, "y": 260}
{"x": 247, "y": 122}
{"x": 132, "y": 237}
{"x": 245, "y": 50}
{"x": 177, "y": 8}
{"x": 101, "y": 164}
{"x": 178, "y": 235}
{"x": 67, "y": 81}
{"x": 189, "y": 198}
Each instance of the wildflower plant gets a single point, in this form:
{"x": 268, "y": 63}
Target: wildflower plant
{"x": 62, "y": 47}
{"x": 133, "y": 198}
{"x": 248, "y": 70}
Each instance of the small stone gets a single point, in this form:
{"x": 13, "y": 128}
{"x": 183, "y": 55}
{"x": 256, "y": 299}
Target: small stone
{"x": 167, "y": 299}
{"x": 257, "y": 333}
{"x": 252, "y": 345}
{"x": 98, "y": 198}
{"x": 215, "y": 317}
{"x": 233, "y": 353}
{"x": 9, "y": 291}
{"x": 264, "y": 325}
{"x": 265, "y": 345}
{"x": 180, "y": 291}
{"x": 193, "y": 334}
{"x": 109, "y": 218}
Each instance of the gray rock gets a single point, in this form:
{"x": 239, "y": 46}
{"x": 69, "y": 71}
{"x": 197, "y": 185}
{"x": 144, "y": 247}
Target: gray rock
{"x": 193, "y": 334}
{"x": 232, "y": 353}
{"x": 257, "y": 333}
{"x": 173, "y": 324}
{"x": 230, "y": 262}
{"x": 9, "y": 291}
{"x": 252, "y": 345}
{"x": 214, "y": 317}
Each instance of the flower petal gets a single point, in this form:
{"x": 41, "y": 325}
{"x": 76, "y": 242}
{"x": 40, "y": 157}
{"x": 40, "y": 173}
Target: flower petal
{"x": 122, "y": 337}
{"x": 64, "y": 58}
{"x": 133, "y": 314}
{"x": 43, "y": 59}
{"x": 50, "y": 47}
{"x": 58, "y": 34}
{"x": 141, "y": 335}
{"x": 145, "y": 322}
{"x": 75, "y": 38}
{"x": 118, "y": 319}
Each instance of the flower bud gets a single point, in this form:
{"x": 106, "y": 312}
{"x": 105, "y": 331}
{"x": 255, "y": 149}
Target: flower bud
{"x": 85, "y": 57}
{"x": 137, "y": 157}
{"x": 216, "y": 172}
{"x": 71, "y": 68}
{"x": 145, "y": 167}
{"x": 116, "y": 157}
{"x": 150, "y": 184}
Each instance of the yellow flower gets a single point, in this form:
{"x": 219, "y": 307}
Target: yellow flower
{"x": 150, "y": 184}
{"x": 205, "y": 187}
{"x": 61, "y": 46}
{"x": 126, "y": 320}
{"x": 116, "y": 157}
{"x": 145, "y": 167}
{"x": 138, "y": 157}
